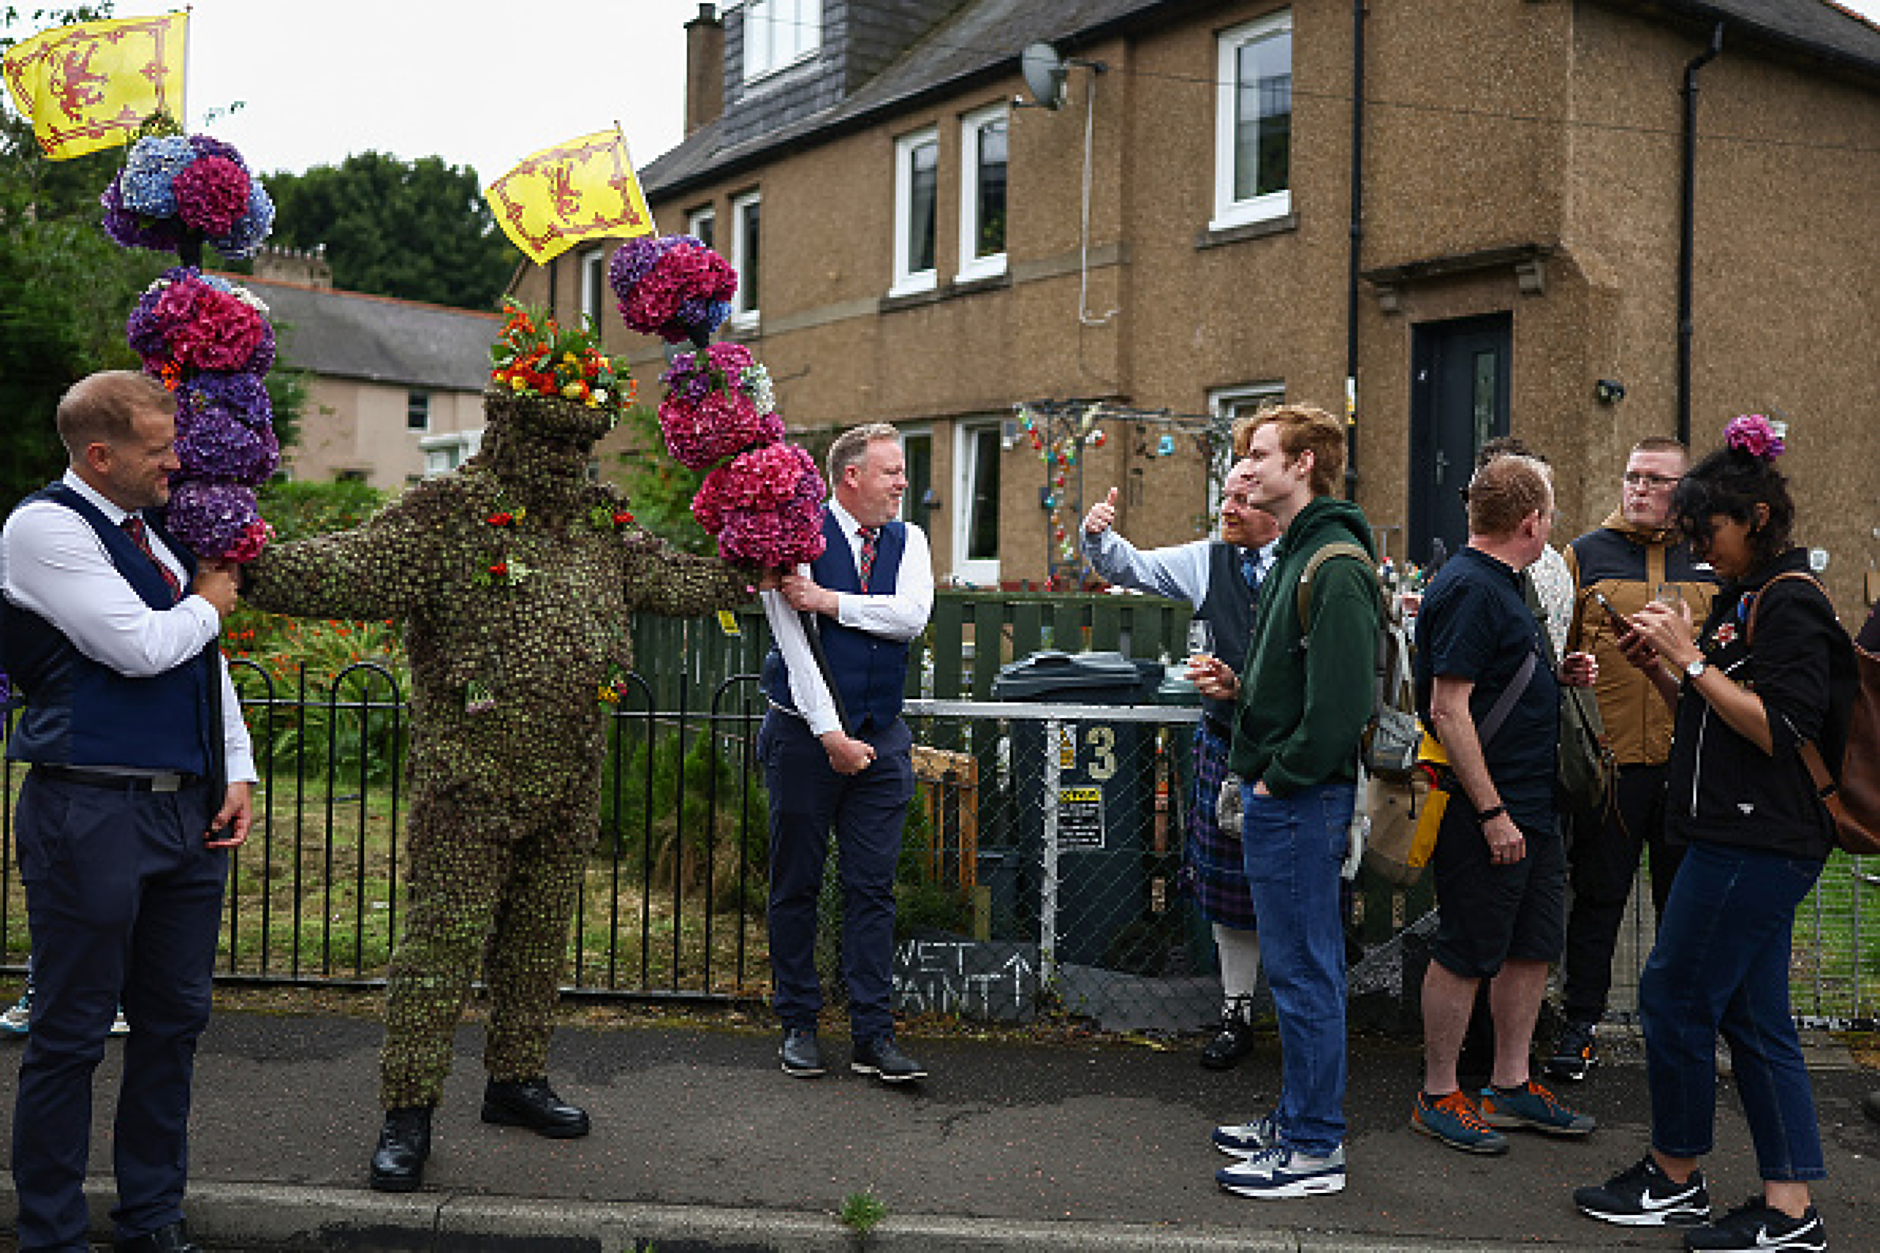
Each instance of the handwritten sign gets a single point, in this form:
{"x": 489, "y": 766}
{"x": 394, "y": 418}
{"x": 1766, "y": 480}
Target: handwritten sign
{"x": 981, "y": 978}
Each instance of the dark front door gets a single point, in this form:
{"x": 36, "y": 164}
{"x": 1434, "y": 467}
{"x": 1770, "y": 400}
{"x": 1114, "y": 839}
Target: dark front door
{"x": 1458, "y": 401}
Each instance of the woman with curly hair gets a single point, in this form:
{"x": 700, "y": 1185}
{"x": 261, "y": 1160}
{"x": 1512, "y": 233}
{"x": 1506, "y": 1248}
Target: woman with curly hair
{"x": 1770, "y": 670}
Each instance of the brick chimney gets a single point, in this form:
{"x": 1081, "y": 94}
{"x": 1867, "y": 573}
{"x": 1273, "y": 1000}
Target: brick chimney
{"x": 704, "y": 68}
{"x": 306, "y": 266}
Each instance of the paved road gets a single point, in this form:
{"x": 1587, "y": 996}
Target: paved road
{"x": 700, "y": 1143}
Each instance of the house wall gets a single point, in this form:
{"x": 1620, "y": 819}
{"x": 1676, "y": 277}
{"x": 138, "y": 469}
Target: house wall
{"x": 1490, "y": 124}
{"x": 352, "y": 426}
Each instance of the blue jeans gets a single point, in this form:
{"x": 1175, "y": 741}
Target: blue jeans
{"x": 1294, "y": 846}
{"x": 1721, "y": 963}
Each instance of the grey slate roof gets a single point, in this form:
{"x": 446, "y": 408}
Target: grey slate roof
{"x": 351, "y": 335}
{"x": 982, "y": 40}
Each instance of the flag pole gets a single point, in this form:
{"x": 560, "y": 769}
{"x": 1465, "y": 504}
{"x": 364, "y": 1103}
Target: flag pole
{"x": 183, "y": 120}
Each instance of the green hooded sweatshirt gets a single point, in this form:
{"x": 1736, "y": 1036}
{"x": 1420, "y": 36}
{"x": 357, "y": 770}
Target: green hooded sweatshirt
{"x": 1304, "y": 704}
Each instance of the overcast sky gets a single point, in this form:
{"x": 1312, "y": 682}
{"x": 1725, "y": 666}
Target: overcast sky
{"x": 479, "y": 83}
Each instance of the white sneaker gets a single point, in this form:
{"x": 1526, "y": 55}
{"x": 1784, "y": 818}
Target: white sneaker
{"x": 1282, "y": 1171}
{"x": 18, "y": 1017}
{"x": 120, "y": 1025}
{"x": 1243, "y": 1140}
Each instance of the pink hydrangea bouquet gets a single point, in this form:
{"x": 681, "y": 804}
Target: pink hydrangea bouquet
{"x": 672, "y": 286}
{"x": 765, "y": 507}
{"x": 718, "y": 403}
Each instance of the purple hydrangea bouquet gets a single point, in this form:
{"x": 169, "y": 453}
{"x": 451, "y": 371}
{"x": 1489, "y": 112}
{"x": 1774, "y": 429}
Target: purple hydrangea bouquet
{"x": 208, "y": 339}
{"x": 672, "y": 286}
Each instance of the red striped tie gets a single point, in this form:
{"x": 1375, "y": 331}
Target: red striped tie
{"x": 869, "y": 534}
{"x": 140, "y": 536}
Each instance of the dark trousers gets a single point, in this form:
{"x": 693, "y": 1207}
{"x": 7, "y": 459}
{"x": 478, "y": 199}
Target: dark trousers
{"x": 124, "y": 903}
{"x": 1603, "y": 862}
{"x": 866, "y": 811}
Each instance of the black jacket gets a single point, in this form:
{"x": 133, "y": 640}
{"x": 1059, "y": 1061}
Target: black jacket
{"x": 1721, "y": 788}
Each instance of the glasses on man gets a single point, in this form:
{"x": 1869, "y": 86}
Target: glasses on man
{"x": 1651, "y": 482}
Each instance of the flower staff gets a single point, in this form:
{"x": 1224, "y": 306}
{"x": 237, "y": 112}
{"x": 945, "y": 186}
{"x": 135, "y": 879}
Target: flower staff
{"x": 514, "y": 579}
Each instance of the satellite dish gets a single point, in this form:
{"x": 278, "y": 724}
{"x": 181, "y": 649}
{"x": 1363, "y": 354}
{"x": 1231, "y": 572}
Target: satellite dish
{"x": 1045, "y": 72}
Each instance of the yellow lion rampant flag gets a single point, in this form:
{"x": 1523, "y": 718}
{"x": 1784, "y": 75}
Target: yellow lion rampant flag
{"x": 89, "y": 86}
{"x": 582, "y": 189}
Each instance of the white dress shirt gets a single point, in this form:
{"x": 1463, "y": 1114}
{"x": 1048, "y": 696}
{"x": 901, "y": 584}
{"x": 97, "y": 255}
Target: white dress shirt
{"x": 54, "y": 564}
{"x": 898, "y": 616}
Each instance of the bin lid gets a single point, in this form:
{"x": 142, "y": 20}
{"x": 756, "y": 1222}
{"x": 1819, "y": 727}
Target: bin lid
{"x": 1051, "y": 672}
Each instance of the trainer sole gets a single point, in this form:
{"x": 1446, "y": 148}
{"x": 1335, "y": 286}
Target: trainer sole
{"x": 861, "y": 1069}
{"x": 1656, "y": 1218}
{"x": 1505, "y": 1123}
{"x": 1491, "y": 1148}
{"x": 1315, "y": 1186}
{"x": 802, "y": 1072}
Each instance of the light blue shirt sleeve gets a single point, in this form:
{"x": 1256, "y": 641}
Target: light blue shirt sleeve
{"x": 1179, "y": 572}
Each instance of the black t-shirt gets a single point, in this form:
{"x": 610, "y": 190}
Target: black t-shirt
{"x": 1475, "y": 625}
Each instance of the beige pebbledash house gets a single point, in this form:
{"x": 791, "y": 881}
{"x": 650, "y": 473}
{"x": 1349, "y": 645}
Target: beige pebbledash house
{"x": 1581, "y": 221}
{"x": 395, "y": 391}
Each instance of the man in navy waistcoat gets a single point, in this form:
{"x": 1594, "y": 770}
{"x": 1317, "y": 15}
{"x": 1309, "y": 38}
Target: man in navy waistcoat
{"x": 139, "y": 786}
{"x": 844, "y": 759}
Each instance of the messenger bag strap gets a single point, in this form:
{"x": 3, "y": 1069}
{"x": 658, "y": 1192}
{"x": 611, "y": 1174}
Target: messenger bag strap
{"x": 1504, "y": 705}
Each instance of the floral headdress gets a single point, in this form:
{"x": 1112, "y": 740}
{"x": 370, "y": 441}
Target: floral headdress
{"x": 173, "y": 185}
{"x": 1756, "y": 435}
{"x": 536, "y": 355}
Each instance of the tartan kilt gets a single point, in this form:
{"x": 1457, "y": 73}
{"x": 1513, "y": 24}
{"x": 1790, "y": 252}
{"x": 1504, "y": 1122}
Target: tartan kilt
{"x": 1214, "y": 873}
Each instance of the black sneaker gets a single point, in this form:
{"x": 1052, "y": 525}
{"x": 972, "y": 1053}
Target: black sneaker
{"x": 1644, "y": 1196}
{"x": 1575, "y": 1054}
{"x": 1754, "y": 1226}
{"x": 879, "y": 1057}
{"x": 1235, "y": 1041}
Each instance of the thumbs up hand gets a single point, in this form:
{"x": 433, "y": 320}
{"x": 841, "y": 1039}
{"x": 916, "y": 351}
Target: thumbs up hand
{"x": 1102, "y": 515}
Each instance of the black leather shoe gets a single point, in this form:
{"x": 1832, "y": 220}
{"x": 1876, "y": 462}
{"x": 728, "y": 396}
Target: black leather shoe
{"x": 533, "y": 1104}
{"x": 879, "y": 1057}
{"x": 404, "y": 1143}
{"x": 1226, "y": 1049}
{"x": 799, "y": 1054}
{"x": 171, "y": 1239}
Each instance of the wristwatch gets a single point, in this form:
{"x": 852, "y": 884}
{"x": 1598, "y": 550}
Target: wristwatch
{"x": 1696, "y": 668}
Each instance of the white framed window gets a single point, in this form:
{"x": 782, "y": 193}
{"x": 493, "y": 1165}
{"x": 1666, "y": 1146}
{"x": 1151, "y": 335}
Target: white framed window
{"x": 779, "y": 33}
{"x": 444, "y": 453}
{"x": 746, "y": 221}
{"x": 982, "y": 192}
{"x": 594, "y": 287}
{"x": 702, "y": 225}
{"x": 1253, "y": 122}
{"x": 916, "y": 201}
{"x": 417, "y": 411}
{"x": 976, "y": 452}
{"x": 1228, "y": 405}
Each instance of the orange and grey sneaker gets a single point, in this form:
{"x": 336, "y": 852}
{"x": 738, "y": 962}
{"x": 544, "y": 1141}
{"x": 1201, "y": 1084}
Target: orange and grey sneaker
{"x": 1453, "y": 1120}
{"x": 1531, "y": 1105}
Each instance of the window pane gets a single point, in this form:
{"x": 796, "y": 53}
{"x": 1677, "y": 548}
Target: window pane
{"x": 1263, "y": 116}
{"x": 704, "y": 228}
{"x": 417, "y": 411}
{"x": 923, "y": 188}
{"x": 982, "y": 534}
{"x": 759, "y": 39}
{"x": 990, "y": 240}
{"x": 919, "y": 453}
{"x": 747, "y": 255}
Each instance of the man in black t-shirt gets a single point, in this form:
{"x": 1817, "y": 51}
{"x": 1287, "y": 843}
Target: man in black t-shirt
{"x": 1499, "y": 865}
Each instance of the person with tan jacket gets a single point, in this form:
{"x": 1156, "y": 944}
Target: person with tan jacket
{"x": 1633, "y": 558}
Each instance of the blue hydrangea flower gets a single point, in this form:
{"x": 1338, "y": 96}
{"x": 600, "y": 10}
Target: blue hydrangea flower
{"x": 250, "y": 228}
{"x": 153, "y": 166}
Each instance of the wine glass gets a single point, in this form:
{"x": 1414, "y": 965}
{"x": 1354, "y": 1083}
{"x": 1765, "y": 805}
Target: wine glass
{"x": 1200, "y": 639}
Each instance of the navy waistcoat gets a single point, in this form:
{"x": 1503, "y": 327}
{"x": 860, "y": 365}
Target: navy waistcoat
{"x": 869, "y": 671}
{"x": 80, "y": 712}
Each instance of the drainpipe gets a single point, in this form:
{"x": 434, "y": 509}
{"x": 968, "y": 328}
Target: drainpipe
{"x": 1357, "y": 237}
{"x": 1687, "y": 229}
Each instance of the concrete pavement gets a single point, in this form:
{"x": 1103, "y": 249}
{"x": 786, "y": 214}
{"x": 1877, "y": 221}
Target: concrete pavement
{"x": 700, "y": 1142}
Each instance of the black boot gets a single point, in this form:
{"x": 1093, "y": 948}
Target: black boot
{"x": 1235, "y": 1040}
{"x": 404, "y": 1143}
{"x": 533, "y": 1104}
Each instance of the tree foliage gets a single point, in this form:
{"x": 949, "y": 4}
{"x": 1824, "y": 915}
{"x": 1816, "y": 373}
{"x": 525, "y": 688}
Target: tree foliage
{"x": 419, "y": 230}
{"x": 659, "y": 489}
